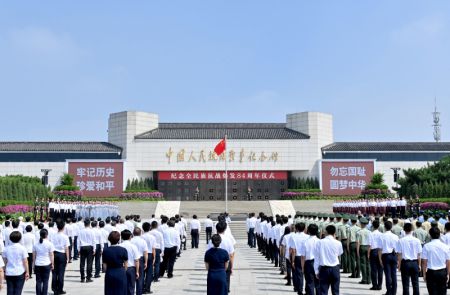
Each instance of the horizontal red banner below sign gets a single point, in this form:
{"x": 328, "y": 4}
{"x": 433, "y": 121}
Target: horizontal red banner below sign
{"x": 220, "y": 175}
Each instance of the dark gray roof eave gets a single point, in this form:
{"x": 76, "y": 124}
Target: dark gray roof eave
{"x": 59, "y": 146}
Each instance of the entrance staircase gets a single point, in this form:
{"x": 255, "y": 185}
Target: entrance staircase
{"x": 144, "y": 209}
{"x": 238, "y": 209}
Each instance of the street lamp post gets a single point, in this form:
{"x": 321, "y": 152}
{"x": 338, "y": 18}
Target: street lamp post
{"x": 396, "y": 176}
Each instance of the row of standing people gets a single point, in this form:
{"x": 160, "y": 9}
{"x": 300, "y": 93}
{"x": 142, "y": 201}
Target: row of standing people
{"x": 395, "y": 207}
{"x": 93, "y": 242}
{"x": 301, "y": 247}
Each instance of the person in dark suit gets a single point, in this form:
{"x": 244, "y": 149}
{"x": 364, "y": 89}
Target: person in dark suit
{"x": 216, "y": 262}
{"x": 114, "y": 262}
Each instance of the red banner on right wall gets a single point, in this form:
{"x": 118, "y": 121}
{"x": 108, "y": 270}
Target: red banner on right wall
{"x": 345, "y": 178}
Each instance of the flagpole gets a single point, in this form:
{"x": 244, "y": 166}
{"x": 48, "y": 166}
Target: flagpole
{"x": 226, "y": 177}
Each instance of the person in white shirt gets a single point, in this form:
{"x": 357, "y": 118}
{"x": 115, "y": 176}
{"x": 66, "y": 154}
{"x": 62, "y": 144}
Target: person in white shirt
{"x": 15, "y": 227}
{"x": 326, "y": 261}
{"x": 251, "y": 225}
{"x": 133, "y": 261}
{"x": 69, "y": 232}
{"x": 6, "y": 231}
{"x": 28, "y": 243}
{"x": 43, "y": 261}
{"x": 446, "y": 238}
{"x": 159, "y": 247}
{"x": 388, "y": 259}
{"x": 195, "y": 231}
{"x": 296, "y": 247}
{"x": 128, "y": 223}
{"x": 61, "y": 255}
{"x": 307, "y": 260}
{"x": 108, "y": 226}
{"x": 16, "y": 270}
{"x": 171, "y": 244}
{"x": 436, "y": 263}
{"x": 285, "y": 243}
{"x": 2, "y": 275}
{"x": 98, "y": 248}
{"x": 121, "y": 226}
{"x": 179, "y": 226}
{"x": 142, "y": 247}
{"x": 208, "y": 228}
{"x": 376, "y": 270}
{"x": 408, "y": 251}
{"x": 151, "y": 243}
{"x": 86, "y": 248}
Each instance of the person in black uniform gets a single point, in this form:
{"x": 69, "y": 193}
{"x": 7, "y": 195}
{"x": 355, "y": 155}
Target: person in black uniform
{"x": 114, "y": 262}
{"x": 216, "y": 262}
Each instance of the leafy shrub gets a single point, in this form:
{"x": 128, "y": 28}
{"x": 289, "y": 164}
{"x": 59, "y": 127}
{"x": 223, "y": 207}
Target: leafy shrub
{"x": 141, "y": 195}
{"x": 303, "y": 183}
{"x": 299, "y": 195}
{"x": 140, "y": 185}
{"x": 67, "y": 179}
{"x": 434, "y": 206}
{"x": 65, "y": 187}
{"x": 313, "y": 190}
{"x": 68, "y": 193}
{"x": 22, "y": 188}
{"x": 11, "y": 209}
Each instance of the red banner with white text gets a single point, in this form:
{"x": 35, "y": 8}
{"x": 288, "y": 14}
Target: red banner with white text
{"x": 220, "y": 175}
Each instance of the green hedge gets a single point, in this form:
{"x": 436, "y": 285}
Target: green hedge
{"x": 140, "y": 185}
{"x": 313, "y": 190}
{"x": 4, "y": 203}
{"x": 66, "y": 188}
{"x": 315, "y": 198}
{"x": 22, "y": 188}
{"x": 139, "y": 191}
{"x": 303, "y": 183}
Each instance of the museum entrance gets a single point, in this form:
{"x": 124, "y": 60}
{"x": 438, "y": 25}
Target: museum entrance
{"x": 239, "y": 189}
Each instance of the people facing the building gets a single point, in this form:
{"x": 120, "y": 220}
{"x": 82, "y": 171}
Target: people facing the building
{"x": 380, "y": 246}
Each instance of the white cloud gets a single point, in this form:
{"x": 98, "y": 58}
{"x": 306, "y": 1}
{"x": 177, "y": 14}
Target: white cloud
{"x": 44, "y": 43}
{"x": 424, "y": 31}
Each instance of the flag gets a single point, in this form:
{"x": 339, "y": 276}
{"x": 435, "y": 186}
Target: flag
{"x": 220, "y": 147}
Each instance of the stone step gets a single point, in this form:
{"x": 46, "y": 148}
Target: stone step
{"x": 325, "y": 206}
{"x": 238, "y": 229}
{"x": 204, "y": 208}
{"x": 144, "y": 209}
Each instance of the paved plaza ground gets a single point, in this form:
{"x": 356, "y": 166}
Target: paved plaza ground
{"x": 252, "y": 275}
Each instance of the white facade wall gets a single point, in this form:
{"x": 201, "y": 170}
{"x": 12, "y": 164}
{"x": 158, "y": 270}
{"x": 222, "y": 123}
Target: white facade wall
{"x": 145, "y": 156}
{"x": 34, "y": 169}
{"x": 124, "y": 126}
{"x": 319, "y": 126}
{"x": 150, "y": 155}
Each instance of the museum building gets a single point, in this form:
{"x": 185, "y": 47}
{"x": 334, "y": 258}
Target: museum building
{"x": 259, "y": 158}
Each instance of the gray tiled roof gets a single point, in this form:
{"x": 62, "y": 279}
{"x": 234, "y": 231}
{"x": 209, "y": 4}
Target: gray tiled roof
{"x": 387, "y": 147}
{"x": 64, "y": 146}
{"x": 219, "y": 130}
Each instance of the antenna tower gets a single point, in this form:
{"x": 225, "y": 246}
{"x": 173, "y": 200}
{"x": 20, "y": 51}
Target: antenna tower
{"x": 436, "y": 123}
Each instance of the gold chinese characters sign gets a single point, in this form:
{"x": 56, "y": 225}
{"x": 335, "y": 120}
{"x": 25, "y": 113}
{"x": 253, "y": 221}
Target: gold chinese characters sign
{"x": 203, "y": 156}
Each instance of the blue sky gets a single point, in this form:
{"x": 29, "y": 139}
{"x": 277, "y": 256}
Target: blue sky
{"x": 375, "y": 65}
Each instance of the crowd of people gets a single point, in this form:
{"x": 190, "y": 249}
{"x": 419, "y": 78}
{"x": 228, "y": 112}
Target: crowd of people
{"x": 313, "y": 249}
{"x": 395, "y": 207}
{"x": 61, "y": 209}
{"x": 130, "y": 253}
